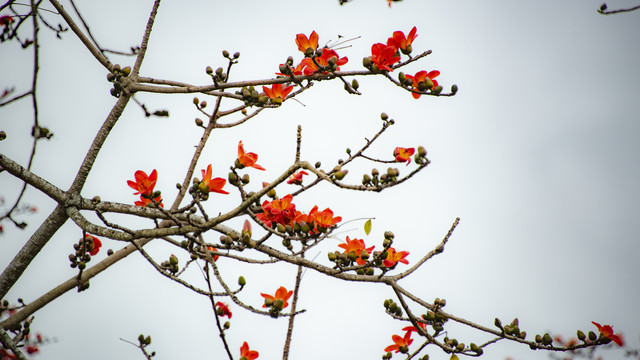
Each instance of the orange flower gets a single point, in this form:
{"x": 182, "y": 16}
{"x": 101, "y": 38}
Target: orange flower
{"x": 401, "y": 343}
{"x": 214, "y": 185}
{"x": 144, "y": 201}
{"x": 310, "y": 67}
{"x": 423, "y": 81}
{"x": 607, "y": 332}
{"x": 248, "y": 159}
{"x": 413, "y": 328}
{"x": 144, "y": 184}
{"x": 384, "y": 56}
{"x": 357, "y": 246}
{"x": 277, "y": 94}
{"x": 324, "y": 218}
{"x": 307, "y": 45}
{"x": 279, "y": 211}
{"x": 394, "y": 257}
{"x": 246, "y": 354}
{"x": 223, "y": 310}
{"x": 297, "y": 177}
{"x": 93, "y": 244}
{"x": 281, "y": 294}
{"x": 211, "y": 248}
{"x": 403, "y": 154}
{"x": 402, "y": 43}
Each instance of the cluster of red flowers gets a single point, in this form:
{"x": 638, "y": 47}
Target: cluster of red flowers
{"x": 283, "y": 211}
{"x": 144, "y": 186}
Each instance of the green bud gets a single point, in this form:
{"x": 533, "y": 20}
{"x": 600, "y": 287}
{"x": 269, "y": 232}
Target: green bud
{"x": 245, "y": 179}
{"x": 141, "y": 338}
{"x": 199, "y": 122}
{"x": 367, "y": 62}
{"x": 196, "y": 101}
{"x": 592, "y": 336}
{"x": 581, "y": 335}
{"x": 354, "y": 84}
{"x": 126, "y": 71}
{"x": 437, "y": 90}
{"x": 236, "y": 55}
{"x": 546, "y": 339}
{"x": 454, "y": 88}
{"x": 173, "y": 260}
{"x": 388, "y": 235}
{"x": 227, "y": 325}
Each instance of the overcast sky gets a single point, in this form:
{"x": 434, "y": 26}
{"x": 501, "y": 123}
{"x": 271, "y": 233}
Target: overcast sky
{"x": 537, "y": 154}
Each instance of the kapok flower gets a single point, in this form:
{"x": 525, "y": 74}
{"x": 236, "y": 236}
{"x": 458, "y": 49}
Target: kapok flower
{"x": 403, "y": 154}
{"x": 607, "y": 332}
{"x": 279, "y": 211}
{"x": 413, "y": 328}
{"x": 246, "y": 354}
{"x": 223, "y": 310}
{"x": 394, "y": 257}
{"x": 215, "y": 257}
{"x": 210, "y": 184}
{"x": 92, "y": 243}
{"x": 144, "y": 184}
{"x": 402, "y": 43}
{"x": 401, "y": 343}
{"x": 307, "y": 45}
{"x": 281, "y": 294}
{"x": 324, "y": 218}
{"x": 276, "y": 93}
{"x": 297, "y": 177}
{"x": 383, "y": 56}
{"x": 423, "y": 81}
{"x": 357, "y": 246}
{"x": 144, "y": 201}
{"x": 6, "y": 20}
{"x": 247, "y": 159}
{"x": 310, "y": 67}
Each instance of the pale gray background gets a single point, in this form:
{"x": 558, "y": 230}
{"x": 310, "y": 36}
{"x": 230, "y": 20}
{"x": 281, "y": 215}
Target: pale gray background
{"x": 537, "y": 154}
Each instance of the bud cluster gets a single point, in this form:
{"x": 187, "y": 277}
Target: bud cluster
{"x": 171, "y": 265}
{"x": 252, "y": 97}
{"x": 115, "y": 76}
{"x": 392, "y": 307}
{"x": 375, "y": 179}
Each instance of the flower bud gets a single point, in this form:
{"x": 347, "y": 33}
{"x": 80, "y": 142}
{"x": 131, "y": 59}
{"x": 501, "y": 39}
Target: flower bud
{"x": 245, "y": 179}
{"x": 236, "y": 55}
{"x": 242, "y": 281}
{"x": 209, "y": 70}
{"x": 199, "y": 122}
{"x": 454, "y": 88}
{"x": 592, "y": 336}
{"x": 546, "y": 339}
{"x": 173, "y": 260}
{"x": 126, "y": 71}
{"x": 354, "y": 84}
{"x": 225, "y": 53}
{"x": 581, "y": 335}
{"x": 196, "y": 101}
{"x": 227, "y": 325}
{"x": 366, "y": 62}
{"x": 437, "y": 90}
{"x": 388, "y": 235}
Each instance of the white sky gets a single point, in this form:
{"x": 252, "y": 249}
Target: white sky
{"x": 536, "y": 154}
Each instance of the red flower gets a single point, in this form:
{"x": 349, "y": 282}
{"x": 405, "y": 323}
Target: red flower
{"x": 281, "y": 294}
{"x": 6, "y": 20}
{"x": 423, "y": 81}
{"x": 246, "y": 354}
{"x": 394, "y": 257}
{"x": 223, "y": 310}
{"x": 32, "y": 349}
{"x": 413, "y": 328}
{"x": 401, "y": 343}
{"x": 93, "y": 244}
{"x": 277, "y": 94}
{"x": 607, "y": 331}
{"x": 144, "y": 184}
{"x": 324, "y": 218}
{"x": 357, "y": 246}
{"x": 384, "y": 56}
{"x": 215, "y": 257}
{"x": 279, "y": 211}
{"x": 248, "y": 159}
{"x": 307, "y": 45}
{"x": 403, "y": 154}
{"x": 214, "y": 185}
{"x": 310, "y": 67}
{"x": 146, "y": 201}
{"x": 297, "y": 177}
{"x": 402, "y": 43}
